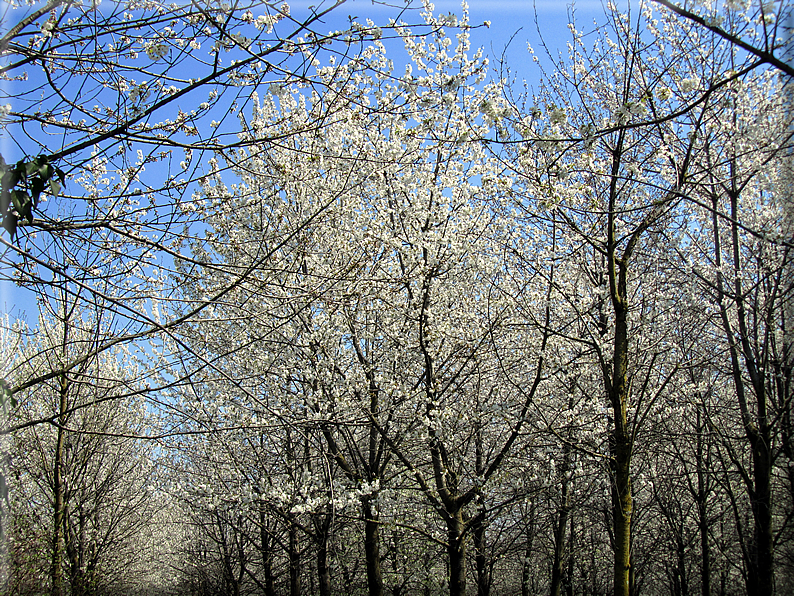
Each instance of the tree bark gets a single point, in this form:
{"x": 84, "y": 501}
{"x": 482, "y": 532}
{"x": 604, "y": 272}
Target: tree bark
{"x": 56, "y": 570}
{"x": 480, "y": 558}
{"x": 528, "y": 552}
{"x": 621, "y": 443}
{"x": 557, "y": 567}
{"x": 760, "y": 571}
{"x": 266, "y": 550}
{"x": 372, "y": 548}
{"x": 621, "y": 519}
{"x": 294, "y": 559}
{"x": 558, "y": 564}
{"x": 571, "y": 560}
{"x": 703, "y": 523}
{"x": 323, "y": 571}
{"x": 456, "y": 549}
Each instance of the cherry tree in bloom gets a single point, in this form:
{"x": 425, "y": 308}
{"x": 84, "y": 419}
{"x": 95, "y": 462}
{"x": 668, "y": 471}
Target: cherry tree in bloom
{"x": 615, "y": 148}
{"x": 81, "y": 481}
{"x": 385, "y": 321}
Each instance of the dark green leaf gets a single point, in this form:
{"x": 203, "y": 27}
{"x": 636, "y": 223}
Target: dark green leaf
{"x": 10, "y": 179}
{"x": 46, "y": 171}
{"x": 36, "y": 188}
{"x": 20, "y": 199}
{"x": 20, "y": 173}
{"x": 10, "y": 224}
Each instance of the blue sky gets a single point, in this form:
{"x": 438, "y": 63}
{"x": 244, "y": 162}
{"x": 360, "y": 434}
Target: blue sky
{"x": 514, "y": 19}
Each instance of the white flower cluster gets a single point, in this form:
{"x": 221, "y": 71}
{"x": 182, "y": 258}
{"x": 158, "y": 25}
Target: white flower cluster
{"x": 266, "y": 22}
{"x": 140, "y": 92}
{"x": 155, "y": 50}
{"x": 689, "y": 85}
{"x": 629, "y": 109}
{"x": 663, "y": 93}
{"x": 557, "y": 115}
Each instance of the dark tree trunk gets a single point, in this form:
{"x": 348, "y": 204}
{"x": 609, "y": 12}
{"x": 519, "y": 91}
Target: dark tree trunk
{"x": 703, "y": 522}
{"x": 569, "y": 582}
{"x": 558, "y": 564}
{"x": 294, "y": 559}
{"x": 621, "y": 451}
{"x": 480, "y": 556}
{"x": 372, "y": 548}
{"x": 323, "y": 571}
{"x": 526, "y": 588}
{"x": 56, "y": 569}
{"x": 456, "y": 549}
{"x": 683, "y": 585}
{"x": 266, "y": 550}
{"x": 757, "y": 430}
{"x": 761, "y": 568}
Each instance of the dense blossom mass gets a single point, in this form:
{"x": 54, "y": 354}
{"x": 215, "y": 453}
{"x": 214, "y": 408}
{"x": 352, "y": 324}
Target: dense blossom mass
{"x": 355, "y": 312}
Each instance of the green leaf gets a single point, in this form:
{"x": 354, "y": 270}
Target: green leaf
{"x": 31, "y": 167}
{"x": 10, "y": 224}
{"x": 45, "y": 169}
{"x": 20, "y": 199}
{"x": 55, "y": 187}
{"x": 36, "y": 188}
{"x": 10, "y": 179}
{"x": 20, "y": 172}
{"x": 5, "y": 201}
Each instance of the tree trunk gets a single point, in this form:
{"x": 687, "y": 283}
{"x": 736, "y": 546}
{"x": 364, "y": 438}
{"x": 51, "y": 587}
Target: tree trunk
{"x": 683, "y": 585}
{"x": 294, "y": 560}
{"x": 456, "y": 549}
{"x": 372, "y": 548}
{"x": 761, "y": 568}
{"x": 617, "y": 387}
{"x": 621, "y": 520}
{"x": 56, "y": 570}
{"x": 700, "y": 499}
{"x": 481, "y": 562}
{"x": 525, "y": 572}
{"x": 266, "y": 551}
{"x": 569, "y": 582}
{"x": 558, "y": 564}
{"x": 621, "y": 448}
{"x": 323, "y": 571}
{"x": 756, "y": 424}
